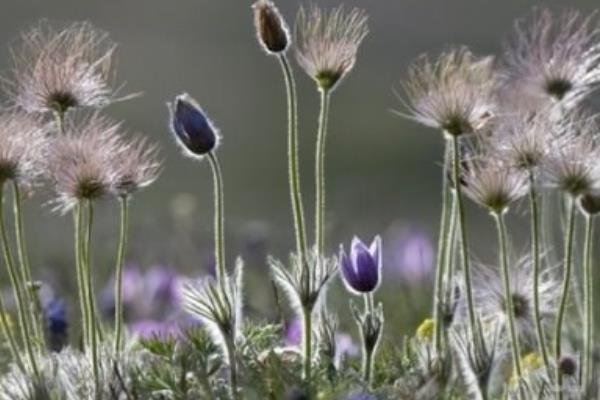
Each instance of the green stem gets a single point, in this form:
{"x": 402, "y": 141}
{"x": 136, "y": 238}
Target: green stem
{"x": 320, "y": 171}
{"x": 588, "y": 301}
{"x": 59, "y": 118}
{"x": 567, "y": 264}
{"x": 78, "y": 223}
{"x": 451, "y": 252}
{"x": 367, "y": 351}
{"x": 535, "y": 253}
{"x": 219, "y": 218}
{"x": 17, "y": 289}
{"x": 462, "y": 227}
{"x": 7, "y": 332}
{"x": 441, "y": 257}
{"x": 307, "y": 343}
{"x": 25, "y": 267}
{"x": 510, "y": 311}
{"x": 233, "y": 385}
{"x": 91, "y": 297}
{"x": 293, "y": 163}
{"x": 124, "y": 219}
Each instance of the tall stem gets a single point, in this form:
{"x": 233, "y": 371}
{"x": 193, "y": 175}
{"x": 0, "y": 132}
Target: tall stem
{"x": 320, "y": 171}
{"x": 219, "y": 218}
{"x": 17, "y": 287}
{"x": 367, "y": 350}
{"x": 588, "y": 301}
{"x": 307, "y": 342}
{"x": 233, "y": 385}
{"x": 25, "y": 267}
{"x": 534, "y": 214}
{"x": 293, "y": 164}
{"x": 81, "y": 286}
{"x": 124, "y": 219}
{"x": 7, "y": 332}
{"x": 567, "y": 264}
{"x": 510, "y": 311}
{"x": 441, "y": 257}
{"x": 462, "y": 227}
{"x": 91, "y": 297}
{"x": 451, "y": 251}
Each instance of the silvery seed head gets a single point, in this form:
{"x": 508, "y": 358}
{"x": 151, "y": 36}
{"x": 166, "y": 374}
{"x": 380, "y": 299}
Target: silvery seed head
{"x": 193, "y": 130}
{"x": 56, "y": 70}
{"x": 136, "y": 166}
{"x": 490, "y": 303}
{"x": 572, "y": 162}
{"x": 454, "y": 93}
{"x": 271, "y": 29}
{"x": 556, "y": 58}
{"x": 327, "y": 43}
{"x": 23, "y": 147}
{"x": 80, "y": 164}
{"x": 493, "y": 184}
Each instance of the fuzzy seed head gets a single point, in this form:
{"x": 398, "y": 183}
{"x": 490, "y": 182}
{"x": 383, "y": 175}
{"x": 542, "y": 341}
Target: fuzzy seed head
{"x": 556, "y": 58}
{"x": 453, "y": 94}
{"x": 328, "y": 42}
{"x": 271, "y": 29}
{"x": 23, "y": 147}
{"x": 81, "y": 162}
{"x": 136, "y": 166}
{"x": 493, "y": 184}
{"x": 57, "y": 70}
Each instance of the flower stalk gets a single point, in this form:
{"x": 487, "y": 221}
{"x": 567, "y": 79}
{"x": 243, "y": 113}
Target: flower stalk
{"x": 219, "y": 217}
{"x": 123, "y": 228}
{"x": 588, "y": 301}
{"x": 325, "y": 96}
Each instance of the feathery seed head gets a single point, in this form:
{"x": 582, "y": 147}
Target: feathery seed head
{"x": 23, "y": 146}
{"x": 195, "y": 133}
{"x": 328, "y": 42}
{"x": 453, "y": 94}
{"x": 81, "y": 162}
{"x": 136, "y": 166}
{"x": 493, "y": 184}
{"x": 555, "y": 57}
{"x": 571, "y": 165}
{"x": 57, "y": 70}
{"x": 488, "y": 292}
{"x": 271, "y": 29}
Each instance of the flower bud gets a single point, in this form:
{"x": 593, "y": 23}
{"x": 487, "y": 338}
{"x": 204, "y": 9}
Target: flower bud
{"x": 192, "y": 128}
{"x": 362, "y": 269}
{"x": 271, "y": 30}
{"x": 590, "y": 204}
{"x": 567, "y": 365}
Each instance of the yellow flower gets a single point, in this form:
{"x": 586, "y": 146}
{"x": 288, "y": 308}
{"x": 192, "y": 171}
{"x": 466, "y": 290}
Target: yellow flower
{"x": 8, "y": 320}
{"x": 531, "y": 361}
{"x": 426, "y": 329}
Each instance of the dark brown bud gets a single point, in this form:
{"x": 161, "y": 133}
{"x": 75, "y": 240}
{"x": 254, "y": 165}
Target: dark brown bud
{"x": 567, "y": 365}
{"x": 271, "y": 29}
{"x": 590, "y": 204}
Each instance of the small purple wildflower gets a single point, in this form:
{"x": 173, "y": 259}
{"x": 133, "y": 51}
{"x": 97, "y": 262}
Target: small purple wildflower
{"x": 55, "y": 314}
{"x": 293, "y": 332}
{"x": 411, "y": 256}
{"x": 192, "y": 128}
{"x": 362, "y": 268}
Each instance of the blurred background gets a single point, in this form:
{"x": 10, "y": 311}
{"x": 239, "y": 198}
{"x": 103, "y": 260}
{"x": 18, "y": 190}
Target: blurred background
{"x": 383, "y": 174}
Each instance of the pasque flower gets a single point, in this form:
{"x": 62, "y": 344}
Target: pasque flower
{"x": 271, "y": 29}
{"x": 361, "y": 269}
{"x": 193, "y": 130}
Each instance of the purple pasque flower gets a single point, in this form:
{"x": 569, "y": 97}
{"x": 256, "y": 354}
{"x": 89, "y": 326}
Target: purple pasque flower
{"x": 361, "y": 269}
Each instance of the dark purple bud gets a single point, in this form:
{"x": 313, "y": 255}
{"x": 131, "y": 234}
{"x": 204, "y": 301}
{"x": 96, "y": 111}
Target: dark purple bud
{"x": 192, "y": 128}
{"x": 567, "y": 365}
{"x": 271, "y": 29}
{"x": 361, "y": 269}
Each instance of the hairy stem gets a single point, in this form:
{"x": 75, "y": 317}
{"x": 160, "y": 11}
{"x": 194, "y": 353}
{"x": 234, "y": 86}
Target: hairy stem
{"x": 233, "y": 385}
{"x": 510, "y": 310}
{"x": 124, "y": 221}
{"x": 462, "y": 227}
{"x": 567, "y": 264}
{"x": 307, "y": 343}
{"x": 17, "y": 287}
{"x": 81, "y": 286}
{"x": 441, "y": 257}
{"x": 91, "y": 297}
{"x": 30, "y": 294}
{"x": 588, "y": 302}
{"x": 12, "y": 342}
{"x": 320, "y": 171}
{"x": 293, "y": 165}
{"x": 535, "y": 254}
{"x": 219, "y": 218}
{"x": 367, "y": 362}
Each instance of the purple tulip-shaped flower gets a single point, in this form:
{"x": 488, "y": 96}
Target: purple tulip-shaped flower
{"x": 362, "y": 268}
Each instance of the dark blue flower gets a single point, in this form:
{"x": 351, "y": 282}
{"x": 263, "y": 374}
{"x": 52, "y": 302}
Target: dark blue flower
{"x": 192, "y": 128}
{"x": 362, "y": 268}
{"x": 55, "y": 314}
